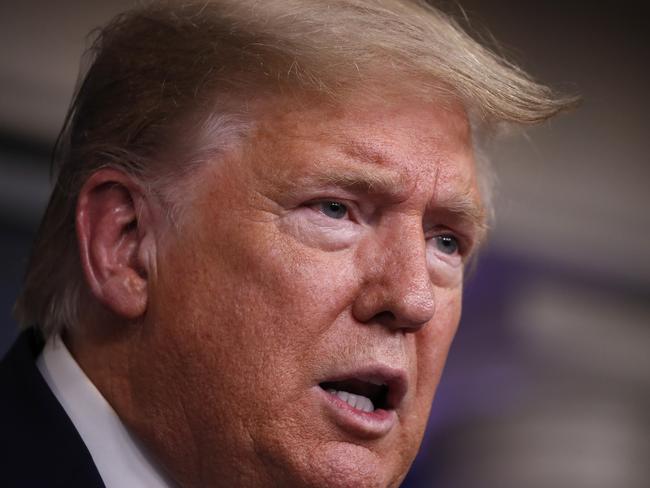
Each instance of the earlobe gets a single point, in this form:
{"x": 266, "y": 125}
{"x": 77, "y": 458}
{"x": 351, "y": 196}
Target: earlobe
{"x": 113, "y": 224}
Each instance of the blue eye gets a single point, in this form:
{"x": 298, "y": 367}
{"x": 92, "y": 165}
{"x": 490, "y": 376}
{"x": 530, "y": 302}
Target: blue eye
{"x": 447, "y": 244}
{"x": 335, "y": 210}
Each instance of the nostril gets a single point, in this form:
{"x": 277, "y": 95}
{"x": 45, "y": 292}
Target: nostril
{"x": 409, "y": 322}
{"x": 386, "y": 318}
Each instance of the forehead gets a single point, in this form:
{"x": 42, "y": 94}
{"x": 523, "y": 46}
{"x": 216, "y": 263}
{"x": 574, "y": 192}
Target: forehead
{"x": 417, "y": 145}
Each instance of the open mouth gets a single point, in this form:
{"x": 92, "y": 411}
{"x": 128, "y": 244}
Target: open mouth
{"x": 365, "y": 402}
{"x": 366, "y": 396}
{"x": 369, "y": 391}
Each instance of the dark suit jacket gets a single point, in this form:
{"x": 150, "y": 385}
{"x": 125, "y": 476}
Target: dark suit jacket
{"x": 39, "y": 445}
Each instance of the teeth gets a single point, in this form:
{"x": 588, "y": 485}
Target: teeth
{"x": 359, "y": 402}
{"x": 365, "y": 404}
{"x": 346, "y": 397}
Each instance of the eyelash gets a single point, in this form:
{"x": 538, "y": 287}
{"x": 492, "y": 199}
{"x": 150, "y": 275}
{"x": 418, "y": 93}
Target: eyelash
{"x": 331, "y": 203}
{"x": 351, "y": 211}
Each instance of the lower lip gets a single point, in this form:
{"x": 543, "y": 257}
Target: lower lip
{"x": 367, "y": 425}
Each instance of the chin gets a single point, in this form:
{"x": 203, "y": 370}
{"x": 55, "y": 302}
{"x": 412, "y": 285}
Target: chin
{"x": 339, "y": 464}
{"x": 319, "y": 442}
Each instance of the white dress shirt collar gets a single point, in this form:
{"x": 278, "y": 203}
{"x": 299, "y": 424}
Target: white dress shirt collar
{"x": 121, "y": 462}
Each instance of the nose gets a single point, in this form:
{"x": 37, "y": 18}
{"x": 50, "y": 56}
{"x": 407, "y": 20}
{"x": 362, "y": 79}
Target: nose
{"x": 397, "y": 291}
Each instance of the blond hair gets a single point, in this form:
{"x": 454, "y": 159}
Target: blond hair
{"x": 171, "y": 78}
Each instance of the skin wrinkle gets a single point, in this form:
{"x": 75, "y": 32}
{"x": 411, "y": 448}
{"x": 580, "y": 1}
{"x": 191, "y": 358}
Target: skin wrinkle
{"x": 387, "y": 186}
{"x": 211, "y": 326}
{"x": 253, "y": 304}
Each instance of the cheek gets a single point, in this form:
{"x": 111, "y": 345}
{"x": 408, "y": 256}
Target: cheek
{"x": 245, "y": 315}
{"x": 433, "y": 343}
{"x": 248, "y": 288}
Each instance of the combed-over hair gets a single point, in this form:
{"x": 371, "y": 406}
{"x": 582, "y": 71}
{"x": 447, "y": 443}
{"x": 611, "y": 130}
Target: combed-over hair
{"x": 167, "y": 85}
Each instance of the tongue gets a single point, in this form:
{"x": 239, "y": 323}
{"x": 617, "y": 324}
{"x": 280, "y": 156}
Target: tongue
{"x": 359, "y": 402}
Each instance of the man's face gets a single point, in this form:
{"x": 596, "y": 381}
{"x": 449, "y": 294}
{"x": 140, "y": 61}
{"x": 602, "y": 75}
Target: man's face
{"x": 299, "y": 322}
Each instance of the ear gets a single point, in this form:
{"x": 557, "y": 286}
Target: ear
{"x": 114, "y": 223}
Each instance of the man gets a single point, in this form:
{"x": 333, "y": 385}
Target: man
{"x": 251, "y": 266}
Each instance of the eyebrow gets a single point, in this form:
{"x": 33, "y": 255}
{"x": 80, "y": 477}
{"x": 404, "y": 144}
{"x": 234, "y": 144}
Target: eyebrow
{"x": 374, "y": 179}
{"x": 396, "y": 187}
{"x": 464, "y": 206}
{"x": 466, "y": 209}
{"x": 361, "y": 179}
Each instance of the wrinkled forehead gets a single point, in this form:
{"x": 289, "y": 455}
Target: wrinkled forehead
{"x": 406, "y": 143}
{"x": 374, "y": 111}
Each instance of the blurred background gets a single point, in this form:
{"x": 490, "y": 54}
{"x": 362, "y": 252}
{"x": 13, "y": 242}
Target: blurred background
{"x": 548, "y": 381}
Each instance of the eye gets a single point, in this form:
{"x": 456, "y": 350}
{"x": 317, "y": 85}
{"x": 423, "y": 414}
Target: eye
{"x": 447, "y": 244}
{"x": 335, "y": 210}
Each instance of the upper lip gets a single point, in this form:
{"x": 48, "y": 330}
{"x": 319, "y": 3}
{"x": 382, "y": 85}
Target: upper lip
{"x": 395, "y": 379}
